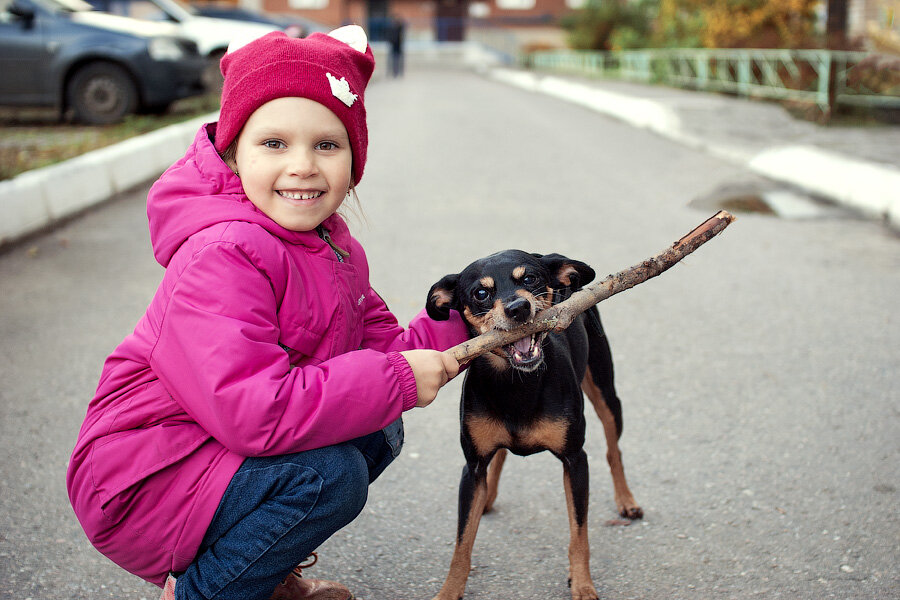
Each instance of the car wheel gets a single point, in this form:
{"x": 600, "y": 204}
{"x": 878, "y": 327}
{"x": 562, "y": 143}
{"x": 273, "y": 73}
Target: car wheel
{"x": 102, "y": 93}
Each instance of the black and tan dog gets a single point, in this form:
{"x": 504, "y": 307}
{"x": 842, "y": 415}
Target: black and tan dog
{"x": 527, "y": 397}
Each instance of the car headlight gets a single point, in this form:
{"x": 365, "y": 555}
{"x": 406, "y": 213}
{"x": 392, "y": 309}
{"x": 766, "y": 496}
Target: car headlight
{"x": 165, "y": 49}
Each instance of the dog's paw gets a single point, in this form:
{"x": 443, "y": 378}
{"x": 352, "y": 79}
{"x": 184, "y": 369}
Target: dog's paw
{"x": 446, "y": 597}
{"x": 450, "y": 592}
{"x": 584, "y": 591}
{"x": 628, "y": 507}
{"x": 631, "y": 512}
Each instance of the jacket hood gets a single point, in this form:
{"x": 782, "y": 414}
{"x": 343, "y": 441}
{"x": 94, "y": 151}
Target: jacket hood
{"x": 200, "y": 190}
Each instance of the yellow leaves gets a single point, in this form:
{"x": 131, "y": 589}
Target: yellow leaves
{"x": 746, "y": 23}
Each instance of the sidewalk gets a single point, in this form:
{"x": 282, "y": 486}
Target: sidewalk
{"x": 855, "y": 167}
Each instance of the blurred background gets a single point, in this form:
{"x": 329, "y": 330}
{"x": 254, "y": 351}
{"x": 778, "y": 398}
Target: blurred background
{"x": 78, "y": 75}
{"x": 760, "y": 378}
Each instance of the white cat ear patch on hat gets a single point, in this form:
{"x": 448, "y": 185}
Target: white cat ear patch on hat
{"x": 355, "y": 37}
{"x": 352, "y": 35}
{"x": 340, "y": 89}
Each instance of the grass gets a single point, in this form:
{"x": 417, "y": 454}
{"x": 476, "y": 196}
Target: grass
{"x": 36, "y": 137}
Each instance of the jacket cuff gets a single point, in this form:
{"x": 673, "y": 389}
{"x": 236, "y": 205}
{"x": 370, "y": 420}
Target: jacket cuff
{"x": 408, "y": 394}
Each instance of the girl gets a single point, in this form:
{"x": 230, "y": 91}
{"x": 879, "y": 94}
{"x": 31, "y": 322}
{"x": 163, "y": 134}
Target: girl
{"x": 241, "y": 423}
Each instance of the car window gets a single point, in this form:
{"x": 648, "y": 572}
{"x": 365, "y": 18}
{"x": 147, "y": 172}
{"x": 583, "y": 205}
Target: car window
{"x": 8, "y": 17}
{"x": 5, "y": 16}
{"x": 73, "y": 5}
{"x": 174, "y": 7}
{"x": 137, "y": 9}
{"x": 54, "y": 6}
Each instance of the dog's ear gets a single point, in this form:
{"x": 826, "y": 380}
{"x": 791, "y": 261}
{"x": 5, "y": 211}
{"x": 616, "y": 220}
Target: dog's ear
{"x": 442, "y": 297}
{"x": 568, "y": 274}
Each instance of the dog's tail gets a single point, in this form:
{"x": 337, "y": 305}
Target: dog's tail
{"x": 601, "y": 365}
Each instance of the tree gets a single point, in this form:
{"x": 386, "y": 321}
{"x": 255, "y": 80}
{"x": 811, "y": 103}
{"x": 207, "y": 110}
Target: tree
{"x": 738, "y": 23}
{"x": 610, "y": 25}
{"x": 679, "y": 24}
{"x": 836, "y": 25}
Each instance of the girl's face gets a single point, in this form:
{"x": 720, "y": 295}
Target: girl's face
{"x": 294, "y": 160}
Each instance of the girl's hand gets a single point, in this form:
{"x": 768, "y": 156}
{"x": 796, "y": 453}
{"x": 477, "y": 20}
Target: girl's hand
{"x": 432, "y": 369}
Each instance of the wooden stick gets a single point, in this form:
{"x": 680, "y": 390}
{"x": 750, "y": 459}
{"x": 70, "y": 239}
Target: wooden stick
{"x": 560, "y": 316}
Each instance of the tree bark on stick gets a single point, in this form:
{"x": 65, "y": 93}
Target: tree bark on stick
{"x": 561, "y": 315}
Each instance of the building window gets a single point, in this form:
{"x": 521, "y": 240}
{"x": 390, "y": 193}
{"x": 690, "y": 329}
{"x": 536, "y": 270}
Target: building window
{"x": 479, "y": 10}
{"x": 515, "y": 4}
{"x": 308, "y": 4}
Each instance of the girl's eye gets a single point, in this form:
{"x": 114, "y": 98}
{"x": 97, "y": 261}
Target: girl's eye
{"x": 529, "y": 280}
{"x": 481, "y": 294}
{"x": 274, "y": 144}
{"x": 327, "y": 146}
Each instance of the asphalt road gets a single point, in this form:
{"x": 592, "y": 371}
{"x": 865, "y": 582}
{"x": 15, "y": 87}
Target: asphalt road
{"x": 760, "y": 378}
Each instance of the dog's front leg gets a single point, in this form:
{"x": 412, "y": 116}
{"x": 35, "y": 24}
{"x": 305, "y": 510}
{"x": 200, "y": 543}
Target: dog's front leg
{"x": 575, "y": 480}
{"x": 472, "y": 497}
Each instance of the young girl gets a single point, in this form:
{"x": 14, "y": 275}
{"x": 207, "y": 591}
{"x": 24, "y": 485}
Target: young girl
{"x": 241, "y": 423}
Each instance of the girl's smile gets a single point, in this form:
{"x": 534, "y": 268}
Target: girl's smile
{"x": 294, "y": 160}
{"x": 299, "y": 196}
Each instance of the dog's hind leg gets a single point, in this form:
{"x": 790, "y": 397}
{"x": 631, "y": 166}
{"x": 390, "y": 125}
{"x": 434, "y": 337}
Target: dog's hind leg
{"x": 472, "y": 496}
{"x": 625, "y": 502}
{"x": 575, "y": 481}
{"x": 600, "y": 388}
{"x": 493, "y": 478}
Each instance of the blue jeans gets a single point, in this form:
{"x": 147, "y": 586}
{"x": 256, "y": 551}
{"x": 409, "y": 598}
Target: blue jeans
{"x": 278, "y": 509}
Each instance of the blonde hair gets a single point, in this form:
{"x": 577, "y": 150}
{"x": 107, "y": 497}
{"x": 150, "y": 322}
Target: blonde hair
{"x": 229, "y": 156}
{"x": 351, "y": 210}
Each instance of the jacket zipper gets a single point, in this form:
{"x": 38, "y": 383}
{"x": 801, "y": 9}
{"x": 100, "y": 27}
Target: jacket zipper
{"x": 339, "y": 253}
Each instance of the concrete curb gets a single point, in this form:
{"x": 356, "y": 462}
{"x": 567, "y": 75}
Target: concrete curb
{"x": 869, "y": 188}
{"x": 43, "y": 197}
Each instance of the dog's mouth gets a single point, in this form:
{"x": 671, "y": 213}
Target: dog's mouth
{"x": 526, "y": 354}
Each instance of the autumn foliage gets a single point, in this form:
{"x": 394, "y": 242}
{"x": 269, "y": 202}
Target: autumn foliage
{"x": 696, "y": 23}
{"x": 757, "y": 23}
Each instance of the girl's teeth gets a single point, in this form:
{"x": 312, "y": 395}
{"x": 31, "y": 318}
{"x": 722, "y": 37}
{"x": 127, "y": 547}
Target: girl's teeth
{"x": 300, "y": 196}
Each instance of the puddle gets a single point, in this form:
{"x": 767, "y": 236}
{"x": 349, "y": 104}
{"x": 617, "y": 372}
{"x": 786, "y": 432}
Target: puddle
{"x": 766, "y": 199}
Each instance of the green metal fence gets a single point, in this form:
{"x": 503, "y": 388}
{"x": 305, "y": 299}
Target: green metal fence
{"x": 800, "y": 75}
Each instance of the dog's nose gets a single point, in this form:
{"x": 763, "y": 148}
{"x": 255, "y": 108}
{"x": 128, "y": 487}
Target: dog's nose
{"x": 518, "y": 309}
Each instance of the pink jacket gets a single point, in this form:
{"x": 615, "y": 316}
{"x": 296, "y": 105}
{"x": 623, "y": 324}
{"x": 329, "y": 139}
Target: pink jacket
{"x": 257, "y": 342}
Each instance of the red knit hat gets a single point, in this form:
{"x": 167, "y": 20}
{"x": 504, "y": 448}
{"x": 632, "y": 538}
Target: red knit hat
{"x": 331, "y": 69}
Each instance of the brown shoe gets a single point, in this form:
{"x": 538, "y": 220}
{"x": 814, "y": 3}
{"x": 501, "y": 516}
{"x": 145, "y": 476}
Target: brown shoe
{"x": 297, "y": 587}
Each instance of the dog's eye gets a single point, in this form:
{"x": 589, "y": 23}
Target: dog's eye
{"x": 481, "y": 295}
{"x": 529, "y": 280}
